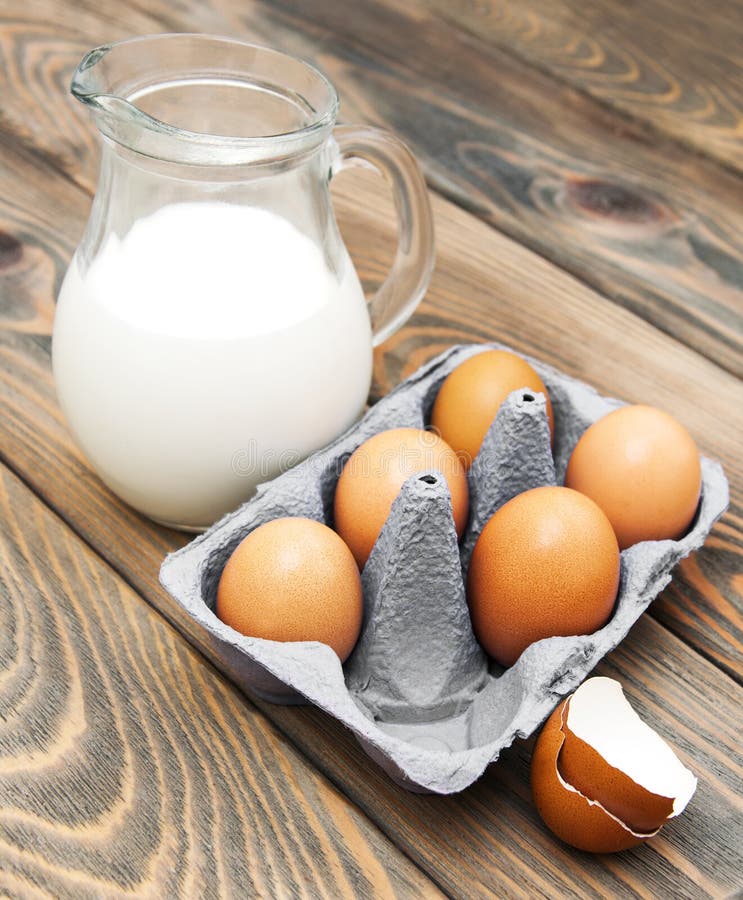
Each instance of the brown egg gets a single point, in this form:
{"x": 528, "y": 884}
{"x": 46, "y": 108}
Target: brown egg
{"x": 472, "y": 394}
{"x": 642, "y": 468}
{"x": 546, "y": 564}
{"x": 602, "y": 779}
{"x": 374, "y": 474}
{"x": 293, "y": 579}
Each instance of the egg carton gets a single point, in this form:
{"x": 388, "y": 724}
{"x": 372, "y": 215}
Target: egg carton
{"x": 418, "y": 692}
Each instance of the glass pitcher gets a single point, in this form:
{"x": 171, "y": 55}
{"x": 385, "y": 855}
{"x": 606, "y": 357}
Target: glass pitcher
{"x": 211, "y": 329}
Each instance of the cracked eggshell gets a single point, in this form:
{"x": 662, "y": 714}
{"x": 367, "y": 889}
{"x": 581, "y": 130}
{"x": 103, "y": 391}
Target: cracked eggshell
{"x": 584, "y": 799}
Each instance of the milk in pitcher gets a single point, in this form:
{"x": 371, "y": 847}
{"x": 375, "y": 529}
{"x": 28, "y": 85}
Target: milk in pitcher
{"x": 226, "y": 349}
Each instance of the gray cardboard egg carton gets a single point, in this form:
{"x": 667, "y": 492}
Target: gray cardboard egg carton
{"x": 417, "y": 691}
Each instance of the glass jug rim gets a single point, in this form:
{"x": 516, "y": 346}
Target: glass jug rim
{"x": 120, "y": 119}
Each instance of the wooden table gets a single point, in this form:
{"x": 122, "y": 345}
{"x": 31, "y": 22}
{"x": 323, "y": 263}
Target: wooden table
{"x": 585, "y": 163}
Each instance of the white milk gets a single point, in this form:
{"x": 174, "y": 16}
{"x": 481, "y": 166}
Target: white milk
{"x": 204, "y": 352}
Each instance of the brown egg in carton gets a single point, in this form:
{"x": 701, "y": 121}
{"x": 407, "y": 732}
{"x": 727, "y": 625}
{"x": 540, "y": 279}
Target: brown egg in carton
{"x": 417, "y": 691}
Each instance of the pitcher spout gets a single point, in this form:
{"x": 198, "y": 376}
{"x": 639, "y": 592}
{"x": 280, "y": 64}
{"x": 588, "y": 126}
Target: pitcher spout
{"x": 89, "y": 82}
{"x": 95, "y": 85}
{"x": 201, "y": 100}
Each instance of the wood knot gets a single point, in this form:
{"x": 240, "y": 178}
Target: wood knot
{"x": 11, "y": 250}
{"x": 613, "y": 202}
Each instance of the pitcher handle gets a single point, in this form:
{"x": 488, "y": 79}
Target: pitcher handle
{"x": 407, "y": 281}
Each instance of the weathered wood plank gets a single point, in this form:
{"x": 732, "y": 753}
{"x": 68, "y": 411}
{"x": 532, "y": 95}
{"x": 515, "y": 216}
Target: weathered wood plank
{"x": 651, "y": 226}
{"x": 488, "y": 840}
{"x": 647, "y": 224}
{"x": 129, "y": 767}
{"x": 675, "y": 66}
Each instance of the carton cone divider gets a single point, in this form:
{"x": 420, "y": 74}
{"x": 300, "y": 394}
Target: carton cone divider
{"x": 515, "y": 456}
{"x": 417, "y": 658}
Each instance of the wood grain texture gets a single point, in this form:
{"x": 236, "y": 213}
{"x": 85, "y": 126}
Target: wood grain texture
{"x": 129, "y": 767}
{"x": 646, "y": 224}
{"x": 676, "y": 67}
{"x": 651, "y": 226}
{"x": 488, "y": 840}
